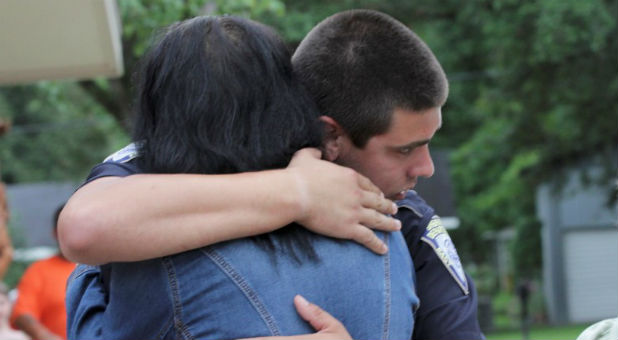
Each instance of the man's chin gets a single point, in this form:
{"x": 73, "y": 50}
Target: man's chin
{"x": 398, "y": 196}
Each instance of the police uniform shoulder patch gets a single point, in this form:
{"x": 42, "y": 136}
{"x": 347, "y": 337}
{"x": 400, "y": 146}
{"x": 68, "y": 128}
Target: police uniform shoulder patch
{"x": 123, "y": 155}
{"x": 437, "y": 237}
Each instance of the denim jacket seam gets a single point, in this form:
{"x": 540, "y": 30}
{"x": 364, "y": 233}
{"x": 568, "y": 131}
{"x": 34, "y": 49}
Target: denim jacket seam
{"x": 387, "y": 292}
{"x": 245, "y": 288}
{"x": 165, "y": 330}
{"x": 179, "y": 326}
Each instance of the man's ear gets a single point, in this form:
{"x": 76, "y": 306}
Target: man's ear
{"x": 333, "y": 135}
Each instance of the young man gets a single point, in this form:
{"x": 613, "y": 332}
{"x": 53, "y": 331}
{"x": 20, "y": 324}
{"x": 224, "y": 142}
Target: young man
{"x": 381, "y": 90}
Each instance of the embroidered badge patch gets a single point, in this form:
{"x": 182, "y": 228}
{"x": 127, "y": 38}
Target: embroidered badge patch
{"x": 123, "y": 155}
{"x": 436, "y": 236}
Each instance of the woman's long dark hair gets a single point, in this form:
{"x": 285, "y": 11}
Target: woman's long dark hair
{"x": 218, "y": 95}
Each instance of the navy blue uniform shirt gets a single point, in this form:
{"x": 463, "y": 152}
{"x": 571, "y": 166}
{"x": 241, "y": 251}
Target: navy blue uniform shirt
{"x": 448, "y": 298}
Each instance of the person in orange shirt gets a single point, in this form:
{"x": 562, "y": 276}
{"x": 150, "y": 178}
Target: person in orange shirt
{"x": 39, "y": 310}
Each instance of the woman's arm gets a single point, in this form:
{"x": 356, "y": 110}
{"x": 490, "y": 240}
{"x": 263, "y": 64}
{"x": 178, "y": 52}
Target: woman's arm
{"x": 145, "y": 216}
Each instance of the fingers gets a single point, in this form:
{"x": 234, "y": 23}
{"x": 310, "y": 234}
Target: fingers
{"x": 374, "y": 198}
{"x": 326, "y": 326}
{"x": 311, "y": 313}
{"x": 366, "y": 184}
{"x": 378, "y": 202}
{"x": 369, "y": 239}
{"x": 378, "y": 221}
{"x": 319, "y": 319}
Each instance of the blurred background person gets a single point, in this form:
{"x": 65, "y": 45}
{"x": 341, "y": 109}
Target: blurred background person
{"x": 6, "y": 248}
{"x": 6, "y": 332}
{"x": 39, "y": 310}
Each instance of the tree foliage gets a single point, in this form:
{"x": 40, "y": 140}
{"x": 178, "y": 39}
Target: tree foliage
{"x": 58, "y": 132}
{"x": 549, "y": 99}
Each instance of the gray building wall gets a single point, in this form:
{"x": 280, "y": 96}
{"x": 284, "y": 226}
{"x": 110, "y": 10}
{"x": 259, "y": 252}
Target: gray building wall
{"x": 32, "y": 207}
{"x": 580, "y": 249}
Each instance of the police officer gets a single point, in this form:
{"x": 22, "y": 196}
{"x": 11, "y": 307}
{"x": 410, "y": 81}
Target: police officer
{"x": 381, "y": 90}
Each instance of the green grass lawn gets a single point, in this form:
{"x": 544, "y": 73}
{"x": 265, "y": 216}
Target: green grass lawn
{"x": 541, "y": 333}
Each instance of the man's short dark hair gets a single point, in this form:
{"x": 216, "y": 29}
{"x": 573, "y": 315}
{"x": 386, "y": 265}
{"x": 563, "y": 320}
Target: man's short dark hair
{"x": 360, "y": 65}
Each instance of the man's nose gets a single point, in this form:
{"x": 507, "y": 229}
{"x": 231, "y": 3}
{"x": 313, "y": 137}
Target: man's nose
{"x": 422, "y": 165}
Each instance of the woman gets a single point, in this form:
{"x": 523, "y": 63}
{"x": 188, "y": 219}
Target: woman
{"x": 218, "y": 95}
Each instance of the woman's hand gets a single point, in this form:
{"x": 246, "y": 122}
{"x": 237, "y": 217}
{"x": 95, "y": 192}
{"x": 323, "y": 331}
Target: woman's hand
{"x": 339, "y": 202}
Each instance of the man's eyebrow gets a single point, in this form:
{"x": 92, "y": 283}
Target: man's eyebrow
{"x": 417, "y": 143}
{"x": 414, "y": 144}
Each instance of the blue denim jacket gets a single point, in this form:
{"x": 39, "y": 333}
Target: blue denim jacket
{"x": 238, "y": 289}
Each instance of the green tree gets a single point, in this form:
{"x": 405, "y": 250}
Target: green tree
{"x": 58, "y": 133}
{"x": 548, "y": 98}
